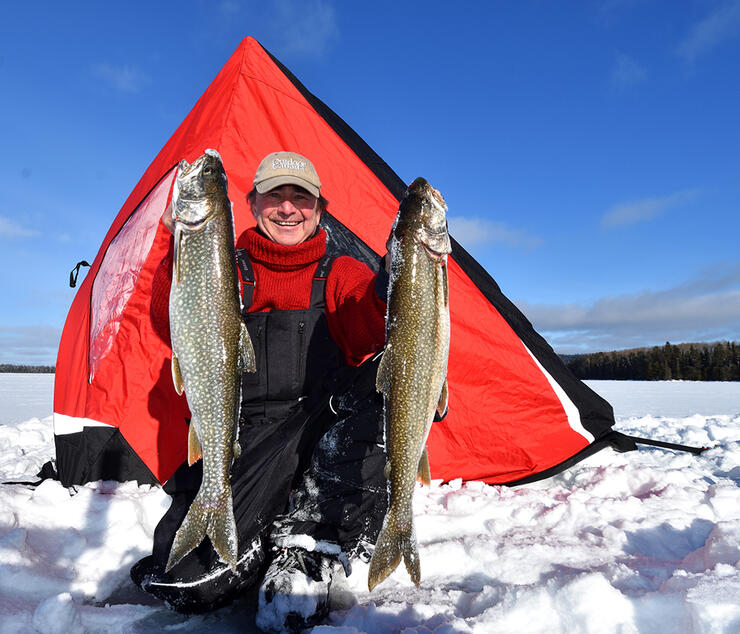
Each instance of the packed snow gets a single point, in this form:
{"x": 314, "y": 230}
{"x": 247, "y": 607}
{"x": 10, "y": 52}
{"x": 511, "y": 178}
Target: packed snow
{"x": 647, "y": 541}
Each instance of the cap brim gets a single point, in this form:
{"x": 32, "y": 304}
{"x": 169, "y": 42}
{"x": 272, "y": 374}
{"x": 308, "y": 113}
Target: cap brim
{"x": 286, "y": 179}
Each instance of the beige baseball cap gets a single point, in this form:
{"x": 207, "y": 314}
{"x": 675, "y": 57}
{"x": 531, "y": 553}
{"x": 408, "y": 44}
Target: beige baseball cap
{"x": 286, "y": 168}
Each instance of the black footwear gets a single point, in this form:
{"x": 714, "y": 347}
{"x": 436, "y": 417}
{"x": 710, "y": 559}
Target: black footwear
{"x": 295, "y": 591}
{"x": 191, "y": 590}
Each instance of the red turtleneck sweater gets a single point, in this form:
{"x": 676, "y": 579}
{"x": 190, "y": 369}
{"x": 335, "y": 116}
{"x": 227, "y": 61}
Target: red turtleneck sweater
{"x": 283, "y": 277}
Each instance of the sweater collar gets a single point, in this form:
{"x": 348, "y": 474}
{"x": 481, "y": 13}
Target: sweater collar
{"x": 274, "y": 255}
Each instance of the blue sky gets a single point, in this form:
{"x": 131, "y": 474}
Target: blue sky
{"x": 589, "y": 152}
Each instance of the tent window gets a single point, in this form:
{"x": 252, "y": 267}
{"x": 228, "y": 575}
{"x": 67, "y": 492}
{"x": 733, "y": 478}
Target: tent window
{"x": 117, "y": 276}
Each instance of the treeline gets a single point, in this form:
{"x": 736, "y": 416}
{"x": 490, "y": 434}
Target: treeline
{"x": 35, "y": 369}
{"x": 687, "y": 361}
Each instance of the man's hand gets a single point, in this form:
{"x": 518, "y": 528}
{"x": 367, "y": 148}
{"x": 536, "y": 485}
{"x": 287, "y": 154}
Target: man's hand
{"x": 167, "y": 219}
{"x": 387, "y": 256}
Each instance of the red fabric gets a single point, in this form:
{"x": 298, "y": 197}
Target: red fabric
{"x": 355, "y": 313}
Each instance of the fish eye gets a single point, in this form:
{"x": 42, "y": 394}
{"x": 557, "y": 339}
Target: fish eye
{"x": 207, "y": 170}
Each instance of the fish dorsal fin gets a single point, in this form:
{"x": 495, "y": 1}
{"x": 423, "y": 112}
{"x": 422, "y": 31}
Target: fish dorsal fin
{"x": 247, "y": 359}
{"x": 443, "y": 400}
{"x": 424, "y": 474}
{"x": 177, "y": 375}
{"x": 195, "y": 451}
{"x": 383, "y": 378}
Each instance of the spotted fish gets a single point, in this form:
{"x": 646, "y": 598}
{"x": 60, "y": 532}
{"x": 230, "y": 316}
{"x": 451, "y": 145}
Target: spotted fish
{"x": 413, "y": 370}
{"x": 210, "y": 348}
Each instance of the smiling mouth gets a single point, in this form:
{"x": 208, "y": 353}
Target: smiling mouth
{"x": 287, "y": 223}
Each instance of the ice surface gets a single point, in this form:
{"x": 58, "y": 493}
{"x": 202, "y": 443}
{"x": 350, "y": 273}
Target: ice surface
{"x": 670, "y": 398}
{"x": 24, "y": 396}
{"x": 647, "y": 541}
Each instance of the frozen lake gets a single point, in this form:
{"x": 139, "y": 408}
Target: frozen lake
{"x": 647, "y": 541}
{"x": 669, "y": 398}
{"x": 24, "y": 396}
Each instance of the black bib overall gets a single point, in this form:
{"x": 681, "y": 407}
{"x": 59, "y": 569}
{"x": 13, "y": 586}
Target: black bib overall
{"x": 312, "y": 457}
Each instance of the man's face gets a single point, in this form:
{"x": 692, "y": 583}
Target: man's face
{"x": 287, "y": 214}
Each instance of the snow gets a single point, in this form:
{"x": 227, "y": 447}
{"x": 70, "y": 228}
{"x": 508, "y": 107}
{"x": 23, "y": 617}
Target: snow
{"x": 647, "y": 541}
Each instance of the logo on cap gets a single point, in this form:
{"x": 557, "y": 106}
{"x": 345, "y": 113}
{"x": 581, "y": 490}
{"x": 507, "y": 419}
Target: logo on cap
{"x": 288, "y": 164}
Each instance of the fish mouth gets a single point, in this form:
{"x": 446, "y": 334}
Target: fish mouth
{"x": 193, "y": 224}
{"x": 434, "y": 255}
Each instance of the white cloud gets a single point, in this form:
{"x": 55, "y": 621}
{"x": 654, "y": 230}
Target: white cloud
{"x": 32, "y": 345}
{"x": 475, "y": 231}
{"x": 645, "y": 209}
{"x": 721, "y": 24}
{"x": 704, "y": 308}
{"x": 122, "y": 78}
{"x": 304, "y": 28}
{"x": 11, "y": 229}
{"x": 626, "y": 73}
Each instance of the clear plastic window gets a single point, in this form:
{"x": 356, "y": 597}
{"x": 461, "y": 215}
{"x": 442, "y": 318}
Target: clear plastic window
{"x": 117, "y": 276}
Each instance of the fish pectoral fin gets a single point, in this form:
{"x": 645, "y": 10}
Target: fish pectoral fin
{"x": 443, "y": 400}
{"x": 423, "y": 474}
{"x": 237, "y": 449}
{"x": 177, "y": 375}
{"x": 383, "y": 378}
{"x": 387, "y": 470}
{"x": 195, "y": 450}
{"x": 176, "y": 256}
{"x": 247, "y": 358}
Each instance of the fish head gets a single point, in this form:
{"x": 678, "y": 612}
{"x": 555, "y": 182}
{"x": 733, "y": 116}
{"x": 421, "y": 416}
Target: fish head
{"x": 423, "y": 216}
{"x": 196, "y": 185}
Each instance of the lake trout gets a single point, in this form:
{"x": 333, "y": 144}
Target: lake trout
{"x": 210, "y": 348}
{"x": 413, "y": 370}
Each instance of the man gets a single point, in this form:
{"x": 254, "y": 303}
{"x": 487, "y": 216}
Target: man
{"x": 309, "y": 491}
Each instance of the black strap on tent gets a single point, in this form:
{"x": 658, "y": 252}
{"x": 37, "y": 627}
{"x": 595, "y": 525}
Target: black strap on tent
{"x": 665, "y": 445}
{"x": 622, "y": 442}
{"x": 75, "y": 272}
{"x": 48, "y": 470}
{"x": 616, "y": 440}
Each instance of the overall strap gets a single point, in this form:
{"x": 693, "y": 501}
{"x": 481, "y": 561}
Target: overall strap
{"x": 247, "y": 273}
{"x": 318, "y": 286}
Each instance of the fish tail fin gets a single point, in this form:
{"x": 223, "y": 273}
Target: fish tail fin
{"x": 393, "y": 544}
{"x": 222, "y": 532}
{"x": 206, "y": 518}
{"x": 192, "y": 531}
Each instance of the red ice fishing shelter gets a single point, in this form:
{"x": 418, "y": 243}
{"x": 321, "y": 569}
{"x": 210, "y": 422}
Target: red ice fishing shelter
{"x": 516, "y": 413}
